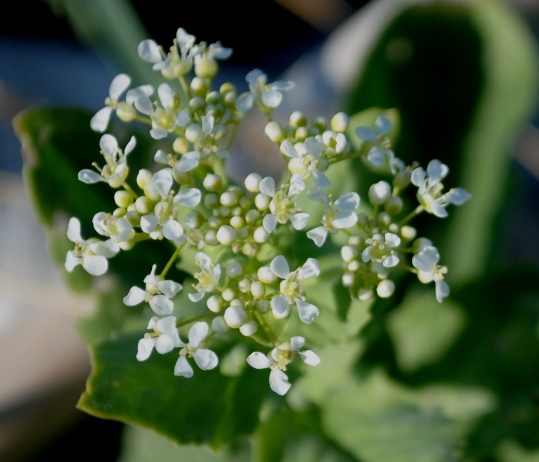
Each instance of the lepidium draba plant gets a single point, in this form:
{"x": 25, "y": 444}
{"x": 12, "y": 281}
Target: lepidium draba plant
{"x": 233, "y": 239}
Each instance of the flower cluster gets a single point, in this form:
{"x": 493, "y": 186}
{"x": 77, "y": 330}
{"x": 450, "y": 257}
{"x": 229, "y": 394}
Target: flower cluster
{"x": 188, "y": 201}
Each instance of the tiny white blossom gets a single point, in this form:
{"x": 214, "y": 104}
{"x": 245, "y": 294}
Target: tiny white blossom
{"x": 278, "y": 359}
{"x": 163, "y": 114}
{"x": 339, "y": 214}
{"x": 381, "y": 249}
{"x": 158, "y": 293}
{"x": 291, "y": 291}
{"x": 168, "y": 337}
{"x": 304, "y": 159}
{"x": 91, "y": 253}
{"x": 119, "y": 229}
{"x": 266, "y": 96}
{"x": 162, "y": 221}
{"x": 381, "y": 149}
{"x": 204, "y": 358}
{"x": 282, "y": 206}
{"x": 118, "y": 86}
{"x": 115, "y": 170}
{"x": 208, "y": 276}
{"x": 426, "y": 262}
{"x": 430, "y": 189}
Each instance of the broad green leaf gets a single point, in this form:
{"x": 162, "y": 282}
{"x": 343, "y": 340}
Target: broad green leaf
{"x": 423, "y": 329}
{"x": 295, "y": 436}
{"x": 56, "y": 144}
{"x": 376, "y": 420}
{"x": 208, "y": 408}
{"x": 141, "y": 445}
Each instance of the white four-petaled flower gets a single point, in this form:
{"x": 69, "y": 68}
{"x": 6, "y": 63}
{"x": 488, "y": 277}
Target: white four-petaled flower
{"x": 426, "y": 261}
{"x": 91, "y": 253}
{"x": 283, "y": 207}
{"x": 158, "y": 293}
{"x": 168, "y": 337}
{"x": 430, "y": 189}
{"x": 278, "y": 359}
{"x": 204, "y": 358}
{"x": 339, "y": 214}
{"x": 291, "y": 290}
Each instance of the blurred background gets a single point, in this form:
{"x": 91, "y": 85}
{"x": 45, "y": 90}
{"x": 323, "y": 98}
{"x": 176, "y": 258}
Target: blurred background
{"x": 51, "y": 52}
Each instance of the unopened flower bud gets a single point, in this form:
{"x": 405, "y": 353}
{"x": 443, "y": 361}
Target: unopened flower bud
{"x": 235, "y": 316}
{"x": 379, "y": 192}
{"x": 219, "y": 325}
{"x": 234, "y": 270}
{"x": 215, "y": 303}
{"x": 212, "y": 182}
{"x": 266, "y": 275}
{"x": 385, "y": 288}
{"x": 339, "y": 122}
{"x": 249, "y": 328}
{"x": 226, "y": 235}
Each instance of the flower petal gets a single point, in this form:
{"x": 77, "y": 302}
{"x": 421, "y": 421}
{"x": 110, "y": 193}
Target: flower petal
{"x": 279, "y": 267}
{"x": 279, "y": 382}
{"x": 135, "y": 296}
{"x": 161, "y": 305}
{"x": 318, "y": 235}
{"x": 307, "y": 311}
{"x": 258, "y": 360}
{"x": 189, "y": 197}
{"x": 280, "y": 307}
{"x": 182, "y": 368}
{"x": 206, "y": 359}
{"x": 144, "y": 348}
{"x": 96, "y": 265}
{"x": 309, "y": 357}
{"x": 197, "y": 333}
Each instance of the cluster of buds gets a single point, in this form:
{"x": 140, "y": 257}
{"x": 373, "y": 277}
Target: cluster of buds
{"x": 189, "y": 201}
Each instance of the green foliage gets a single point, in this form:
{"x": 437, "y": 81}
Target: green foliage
{"x": 209, "y": 408}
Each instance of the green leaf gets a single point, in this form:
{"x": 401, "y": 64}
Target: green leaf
{"x": 56, "y": 144}
{"x": 141, "y": 445}
{"x": 376, "y": 420}
{"x": 295, "y": 436}
{"x": 208, "y": 408}
{"x": 423, "y": 329}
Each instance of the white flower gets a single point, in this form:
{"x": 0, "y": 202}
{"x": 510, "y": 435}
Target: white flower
{"x": 291, "y": 290}
{"x": 204, "y": 358}
{"x": 430, "y": 189}
{"x": 208, "y": 276}
{"x": 283, "y": 206}
{"x": 381, "y": 249}
{"x": 118, "y": 86}
{"x": 335, "y": 143}
{"x": 278, "y": 359}
{"x": 304, "y": 159}
{"x": 157, "y": 293}
{"x": 381, "y": 143}
{"x": 168, "y": 337}
{"x": 91, "y": 253}
{"x": 115, "y": 170}
{"x": 118, "y": 229}
{"x": 165, "y": 115}
{"x": 266, "y": 96}
{"x": 339, "y": 214}
{"x": 179, "y": 60}
{"x": 426, "y": 261}
{"x": 182, "y": 164}
{"x": 162, "y": 222}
